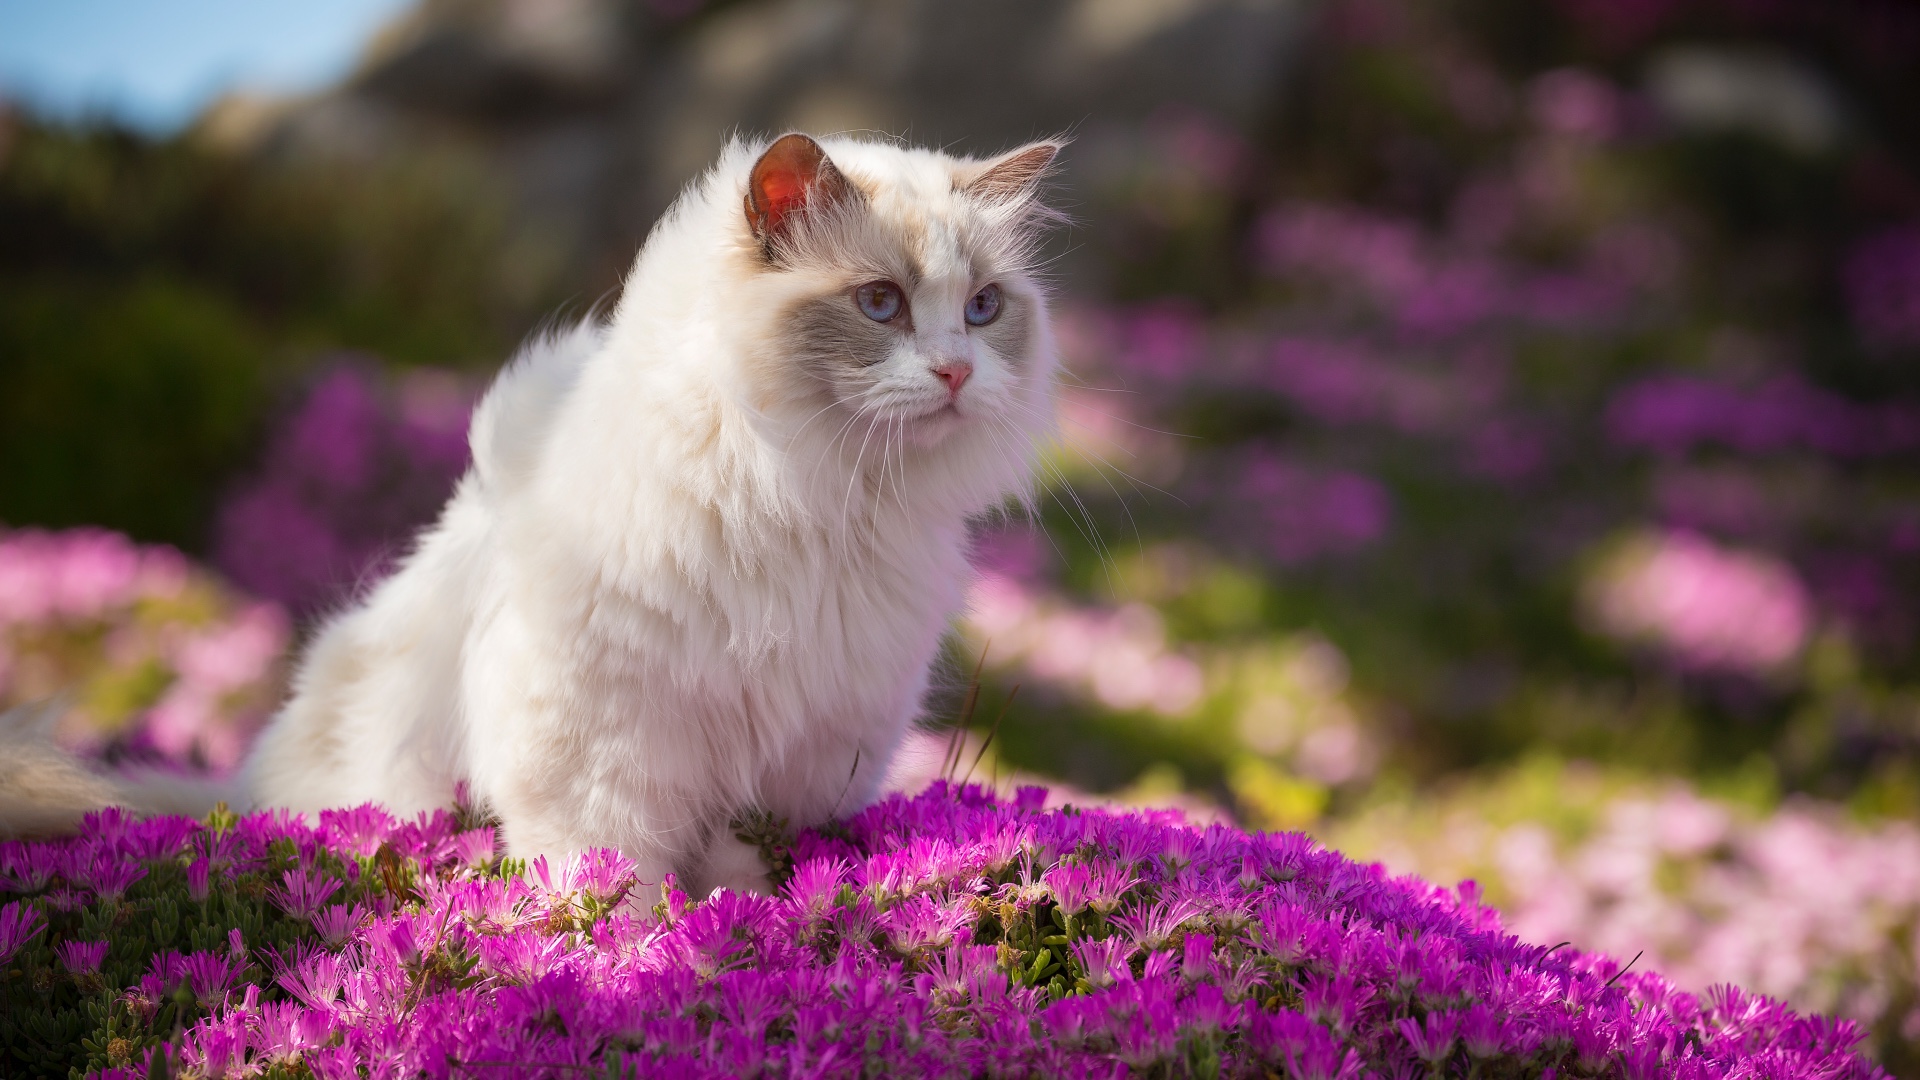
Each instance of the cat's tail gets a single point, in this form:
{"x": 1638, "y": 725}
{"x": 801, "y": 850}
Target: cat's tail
{"x": 45, "y": 791}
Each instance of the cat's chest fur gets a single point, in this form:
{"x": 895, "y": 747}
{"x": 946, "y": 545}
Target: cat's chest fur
{"x": 717, "y": 562}
{"x": 806, "y": 630}
{"x": 716, "y": 627}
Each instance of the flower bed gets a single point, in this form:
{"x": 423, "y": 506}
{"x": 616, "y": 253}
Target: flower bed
{"x": 1799, "y": 901}
{"x": 951, "y": 933}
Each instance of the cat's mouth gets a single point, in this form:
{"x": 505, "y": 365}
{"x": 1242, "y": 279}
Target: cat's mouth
{"x": 934, "y": 424}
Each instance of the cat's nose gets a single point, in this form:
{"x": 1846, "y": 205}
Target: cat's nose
{"x": 954, "y": 373}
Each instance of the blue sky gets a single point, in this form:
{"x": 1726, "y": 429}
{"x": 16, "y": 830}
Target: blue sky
{"x": 156, "y": 63}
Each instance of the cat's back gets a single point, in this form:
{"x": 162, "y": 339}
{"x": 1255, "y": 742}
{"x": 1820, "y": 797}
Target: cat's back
{"x": 515, "y": 418}
{"x": 376, "y": 710}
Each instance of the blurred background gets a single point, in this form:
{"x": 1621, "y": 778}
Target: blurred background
{"x": 1492, "y": 441}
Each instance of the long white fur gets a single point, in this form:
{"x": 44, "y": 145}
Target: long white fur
{"x": 669, "y": 589}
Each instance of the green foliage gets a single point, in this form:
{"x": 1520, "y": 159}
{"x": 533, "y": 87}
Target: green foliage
{"x": 53, "y": 1021}
{"x": 123, "y": 404}
{"x": 157, "y": 299}
{"x": 772, "y": 837}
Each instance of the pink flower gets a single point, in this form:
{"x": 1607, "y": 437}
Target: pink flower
{"x": 1120, "y": 655}
{"x": 80, "y": 574}
{"x": 1569, "y": 101}
{"x": 210, "y": 974}
{"x": 475, "y": 847}
{"x": 337, "y": 923}
{"x": 600, "y": 873}
{"x": 1712, "y": 607}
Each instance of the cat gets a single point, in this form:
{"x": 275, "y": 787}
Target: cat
{"x": 708, "y": 548}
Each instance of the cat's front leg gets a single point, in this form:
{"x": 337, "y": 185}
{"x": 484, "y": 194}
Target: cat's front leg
{"x": 828, "y": 778}
{"x": 531, "y": 829}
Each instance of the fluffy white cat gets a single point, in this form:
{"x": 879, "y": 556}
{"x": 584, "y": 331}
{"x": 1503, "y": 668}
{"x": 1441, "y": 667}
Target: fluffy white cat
{"x": 708, "y": 549}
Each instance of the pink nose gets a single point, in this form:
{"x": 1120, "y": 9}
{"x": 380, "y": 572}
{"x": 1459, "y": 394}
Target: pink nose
{"x": 954, "y": 373}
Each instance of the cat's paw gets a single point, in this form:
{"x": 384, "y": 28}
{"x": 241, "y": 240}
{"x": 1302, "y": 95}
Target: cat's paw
{"x": 761, "y": 886}
{"x": 734, "y": 864}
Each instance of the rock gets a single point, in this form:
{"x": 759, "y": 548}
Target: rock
{"x": 594, "y": 113}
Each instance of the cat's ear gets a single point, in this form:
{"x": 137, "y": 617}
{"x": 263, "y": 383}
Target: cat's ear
{"x": 793, "y": 176}
{"x": 1014, "y": 175}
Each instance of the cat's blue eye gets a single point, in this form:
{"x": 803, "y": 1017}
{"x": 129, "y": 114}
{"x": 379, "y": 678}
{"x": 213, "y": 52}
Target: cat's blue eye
{"x": 984, "y": 306}
{"x": 881, "y": 301}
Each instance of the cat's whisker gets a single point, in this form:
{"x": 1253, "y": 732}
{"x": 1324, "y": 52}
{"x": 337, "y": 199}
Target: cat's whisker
{"x": 900, "y": 483}
{"x": 1080, "y": 515}
{"x": 858, "y": 477}
{"x": 801, "y": 430}
{"x": 833, "y": 449}
{"x": 888, "y": 445}
{"x": 1099, "y": 463}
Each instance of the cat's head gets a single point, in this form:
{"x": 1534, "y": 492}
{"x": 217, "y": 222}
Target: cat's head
{"x": 899, "y": 293}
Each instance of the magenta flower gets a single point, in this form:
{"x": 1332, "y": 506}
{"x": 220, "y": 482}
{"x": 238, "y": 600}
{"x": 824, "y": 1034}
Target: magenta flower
{"x": 1154, "y": 928}
{"x": 922, "y": 923}
{"x": 200, "y": 879}
{"x": 315, "y": 978}
{"x": 1105, "y": 962}
{"x": 522, "y": 956}
{"x": 1297, "y": 513}
{"x": 814, "y": 886}
{"x": 1882, "y": 277}
{"x": 351, "y": 474}
{"x": 19, "y": 922}
{"x": 599, "y": 874}
{"x": 1432, "y": 1041}
{"x": 302, "y": 894}
{"x": 81, "y": 957}
{"x": 210, "y": 974}
{"x": 360, "y": 830}
{"x": 1671, "y": 414}
{"x": 30, "y": 867}
{"x": 109, "y": 874}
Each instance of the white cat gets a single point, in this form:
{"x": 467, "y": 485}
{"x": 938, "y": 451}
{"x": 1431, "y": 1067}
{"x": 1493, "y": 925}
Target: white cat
{"x": 707, "y": 551}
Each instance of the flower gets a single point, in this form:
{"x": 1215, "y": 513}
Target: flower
{"x": 19, "y": 922}
{"x": 81, "y": 957}
{"x": 1670, "y": 414}
{"x": 1802, "y": 903}
{"x": 1120, "y": 656}
{"x": 1297, "y": 513}
{"x": 351, "y": 472}
{"x": 1882, "y": 276}
{"x": 302, "y": 894}
{"x": 157, "y": 660}
{"x": 1711, "y": 606}
{"x": 209, "y": 974}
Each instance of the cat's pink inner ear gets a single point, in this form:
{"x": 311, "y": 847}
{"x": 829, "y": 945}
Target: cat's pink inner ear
{"x": 793, "y": 174}
{"x": 1016, "y": 173}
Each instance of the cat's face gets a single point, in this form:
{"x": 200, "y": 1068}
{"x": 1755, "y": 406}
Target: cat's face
{"x": 914, "y": 306}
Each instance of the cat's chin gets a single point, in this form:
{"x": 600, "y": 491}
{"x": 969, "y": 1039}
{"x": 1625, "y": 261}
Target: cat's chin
{"x": 930, "y": 429}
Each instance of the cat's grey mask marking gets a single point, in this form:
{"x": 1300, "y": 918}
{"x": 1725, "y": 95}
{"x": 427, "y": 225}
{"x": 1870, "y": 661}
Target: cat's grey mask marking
{"x": 822, "y": 224}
